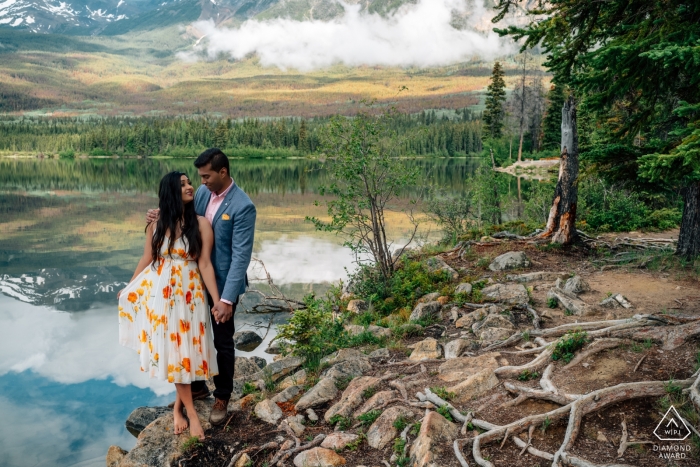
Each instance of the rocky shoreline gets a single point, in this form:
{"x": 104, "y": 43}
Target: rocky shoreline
{"x": 425, "y": 401}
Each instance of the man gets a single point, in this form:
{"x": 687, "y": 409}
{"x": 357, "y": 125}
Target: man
{"x": 232, "y": 216}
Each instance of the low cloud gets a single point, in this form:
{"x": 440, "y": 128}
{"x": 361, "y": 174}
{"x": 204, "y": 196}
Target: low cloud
{"x": 420, "y": 34}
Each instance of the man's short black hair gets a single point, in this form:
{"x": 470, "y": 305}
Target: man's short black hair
{"x": 215, "y": 157}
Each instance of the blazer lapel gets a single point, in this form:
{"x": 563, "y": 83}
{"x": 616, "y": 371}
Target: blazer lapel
{"x": 224, "y": 205}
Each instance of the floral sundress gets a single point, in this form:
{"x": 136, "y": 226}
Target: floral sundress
{"x": 164, "y": 316}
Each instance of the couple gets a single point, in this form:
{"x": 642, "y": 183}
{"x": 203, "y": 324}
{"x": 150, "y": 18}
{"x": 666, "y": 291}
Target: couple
{"x": 198, "y": 248}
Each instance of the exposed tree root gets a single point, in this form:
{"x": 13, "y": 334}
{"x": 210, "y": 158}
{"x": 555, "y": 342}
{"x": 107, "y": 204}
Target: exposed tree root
{"x": 239, "y": 454}
{"x": 576, "y": 410}
{"x": 624, "y": 444}
{"x": 594, "y": 348}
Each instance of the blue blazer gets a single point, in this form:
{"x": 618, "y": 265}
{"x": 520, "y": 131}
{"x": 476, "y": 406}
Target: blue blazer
{"x": 234, "y": 227}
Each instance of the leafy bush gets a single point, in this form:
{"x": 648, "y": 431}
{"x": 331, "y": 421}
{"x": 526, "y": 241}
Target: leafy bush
{"x": 369, "y": 417}
{"x": 343, "y": 423}
{"x": 443, "y": 393}
{"x": 66, "y": 154}
{"x": 445, "y": 412}
{"x": 567, "y": 346}
{"x": 314, "y": 330}
{"x": 605, "y": 207}
{"x": 408, "y": 283}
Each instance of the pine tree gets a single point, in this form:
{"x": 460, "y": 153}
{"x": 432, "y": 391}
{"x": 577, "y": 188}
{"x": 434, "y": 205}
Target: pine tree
{"x": 551, "y": 125}
{"x": 495, "y": 97}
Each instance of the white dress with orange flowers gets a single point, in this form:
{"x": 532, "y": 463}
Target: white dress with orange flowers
{"x": 164, "y": 316}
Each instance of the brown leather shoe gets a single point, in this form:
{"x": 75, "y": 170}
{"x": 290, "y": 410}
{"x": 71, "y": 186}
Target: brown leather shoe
{"x": 219, "y": 411}
{"x": 203, "y": 394}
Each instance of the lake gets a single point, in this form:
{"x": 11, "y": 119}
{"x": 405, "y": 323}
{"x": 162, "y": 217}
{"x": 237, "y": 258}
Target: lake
{"x": 71, "y": 233}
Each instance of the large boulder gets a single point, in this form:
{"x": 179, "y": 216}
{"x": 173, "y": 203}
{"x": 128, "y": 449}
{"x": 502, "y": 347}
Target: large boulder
{"x": 426, "y": 310}
{"x": 246, "y": 340}
{"x": 489, "y": 335}
{"x": 376, "y": 331}
{"x": 276, "y": 345}
{"x": 141, "y": 417}
{"x": 454, "y": 349}
{"x": 245, "y": 367}
{"x": 382, "y": 431}
{"x": 287, "y": 394}
{"x": 318, "y": 457}
{"x": 464, "y": 288}
{"x": 324, "y": 391}
{"x": 493, "y": 321}
{"x": 377, "y": 400}
{"x": 510, "y": 294}
{"x": 436, "y": 263}
{"x": 576, "y": 285}
{"x": 268, "y": 411}
{"x": 357, "y": 306}
{"x": 570, "y": 302}
{"x": 468, "y": 320}
{"x": 341, "y": 356}
{"x": 510, "y": 260}
{"x": 474, "y": 386}
{"x": 274, "y": 370}
{"x": 348, "y": 369}
{"x": 298, "y": 378}
{"x": 426, "y": 349}
{"x": 339, "y": 440}
{"x": 430, "y": 297}
{"x": 380, "y": 354}
{"x": 435, "y": 437}
{"x": 156, "y": 445}
{"x": 351, "y": 398}
{"x": 115, "y": 454}
{"x": 459, "y": 369}
{"x": 537, "y": 276}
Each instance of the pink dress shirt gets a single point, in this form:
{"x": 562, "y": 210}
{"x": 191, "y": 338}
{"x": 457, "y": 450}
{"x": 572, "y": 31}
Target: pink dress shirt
{"x": 213, "y": 206}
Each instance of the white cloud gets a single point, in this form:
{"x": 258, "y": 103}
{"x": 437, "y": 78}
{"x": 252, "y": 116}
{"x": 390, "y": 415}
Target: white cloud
{"x": 416, "y": 35}
{"x": 68, "y": 347}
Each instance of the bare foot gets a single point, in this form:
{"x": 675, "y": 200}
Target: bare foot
{"x": 180, "y": 421}
{"x": 196, "y": 428}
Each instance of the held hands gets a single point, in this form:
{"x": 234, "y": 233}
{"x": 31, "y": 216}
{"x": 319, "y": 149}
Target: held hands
{"x": 152, "y": 215}
{"x": 222, "y": 312}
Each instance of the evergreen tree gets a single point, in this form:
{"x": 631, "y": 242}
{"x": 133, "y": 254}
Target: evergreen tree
{"x": 495, "y": 97}
{"x": 551, "y": 125}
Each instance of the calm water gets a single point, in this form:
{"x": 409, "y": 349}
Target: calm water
{"x": 70, "y": 233}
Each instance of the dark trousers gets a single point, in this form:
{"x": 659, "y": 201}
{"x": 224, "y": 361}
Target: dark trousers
{"x": 225, "y": 357}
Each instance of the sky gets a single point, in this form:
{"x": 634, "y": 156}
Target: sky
{"x": 419, "y": 35}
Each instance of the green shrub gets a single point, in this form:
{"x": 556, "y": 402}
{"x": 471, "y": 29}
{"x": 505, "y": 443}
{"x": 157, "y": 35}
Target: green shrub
{"x": 408, "y": 283}
{"x": 443, "y": 393}
{"x": 552, "y": 302}
{"x": 604, "y": 207}
{"x": 527, "y": 375}
{"x": 445, "y": 412}
{"x": 370, "y": 417}
{"x": 66, "y": 154}
{"x": 343, "y": 423}
{"x": 314, "y": 330}
{"x": 567, "y": 346}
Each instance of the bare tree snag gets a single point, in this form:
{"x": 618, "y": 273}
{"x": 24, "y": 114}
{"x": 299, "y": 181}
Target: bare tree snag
{"x": 561, "y": 224}
{"x": 689, "y": 235}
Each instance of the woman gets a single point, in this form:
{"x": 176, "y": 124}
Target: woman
{"x": 163, "y": 312}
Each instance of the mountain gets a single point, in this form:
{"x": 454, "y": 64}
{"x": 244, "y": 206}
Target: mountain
{"x": 115, "y": 17}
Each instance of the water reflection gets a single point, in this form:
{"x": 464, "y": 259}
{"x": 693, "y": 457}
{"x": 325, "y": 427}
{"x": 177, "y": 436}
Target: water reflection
{"x": 71, "y": 233}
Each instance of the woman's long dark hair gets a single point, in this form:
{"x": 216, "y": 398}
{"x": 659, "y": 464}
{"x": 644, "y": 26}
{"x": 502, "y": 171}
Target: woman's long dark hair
{"x": 171, "y": 215}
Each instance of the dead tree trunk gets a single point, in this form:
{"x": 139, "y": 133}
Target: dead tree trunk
{"x": 561, "y": 224}
{"x": 689, "y": 236}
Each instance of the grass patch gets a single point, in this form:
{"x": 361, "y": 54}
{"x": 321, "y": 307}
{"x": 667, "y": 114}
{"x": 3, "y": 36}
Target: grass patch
{"x": 369, "y": 392}
{"x": 190, "y": 444}
{"x": 568, "y": 345}
{"x": 249, "y": 388}
{"x": 400, "y": 423}
{"x": 443, "y": 393}
{"x": 370, "y": 417}
{"x": 527, "y": 375}
{"x": 343, "y": 383}
{"x": 445, "y": 412}
{"x": 340, "y": 422}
